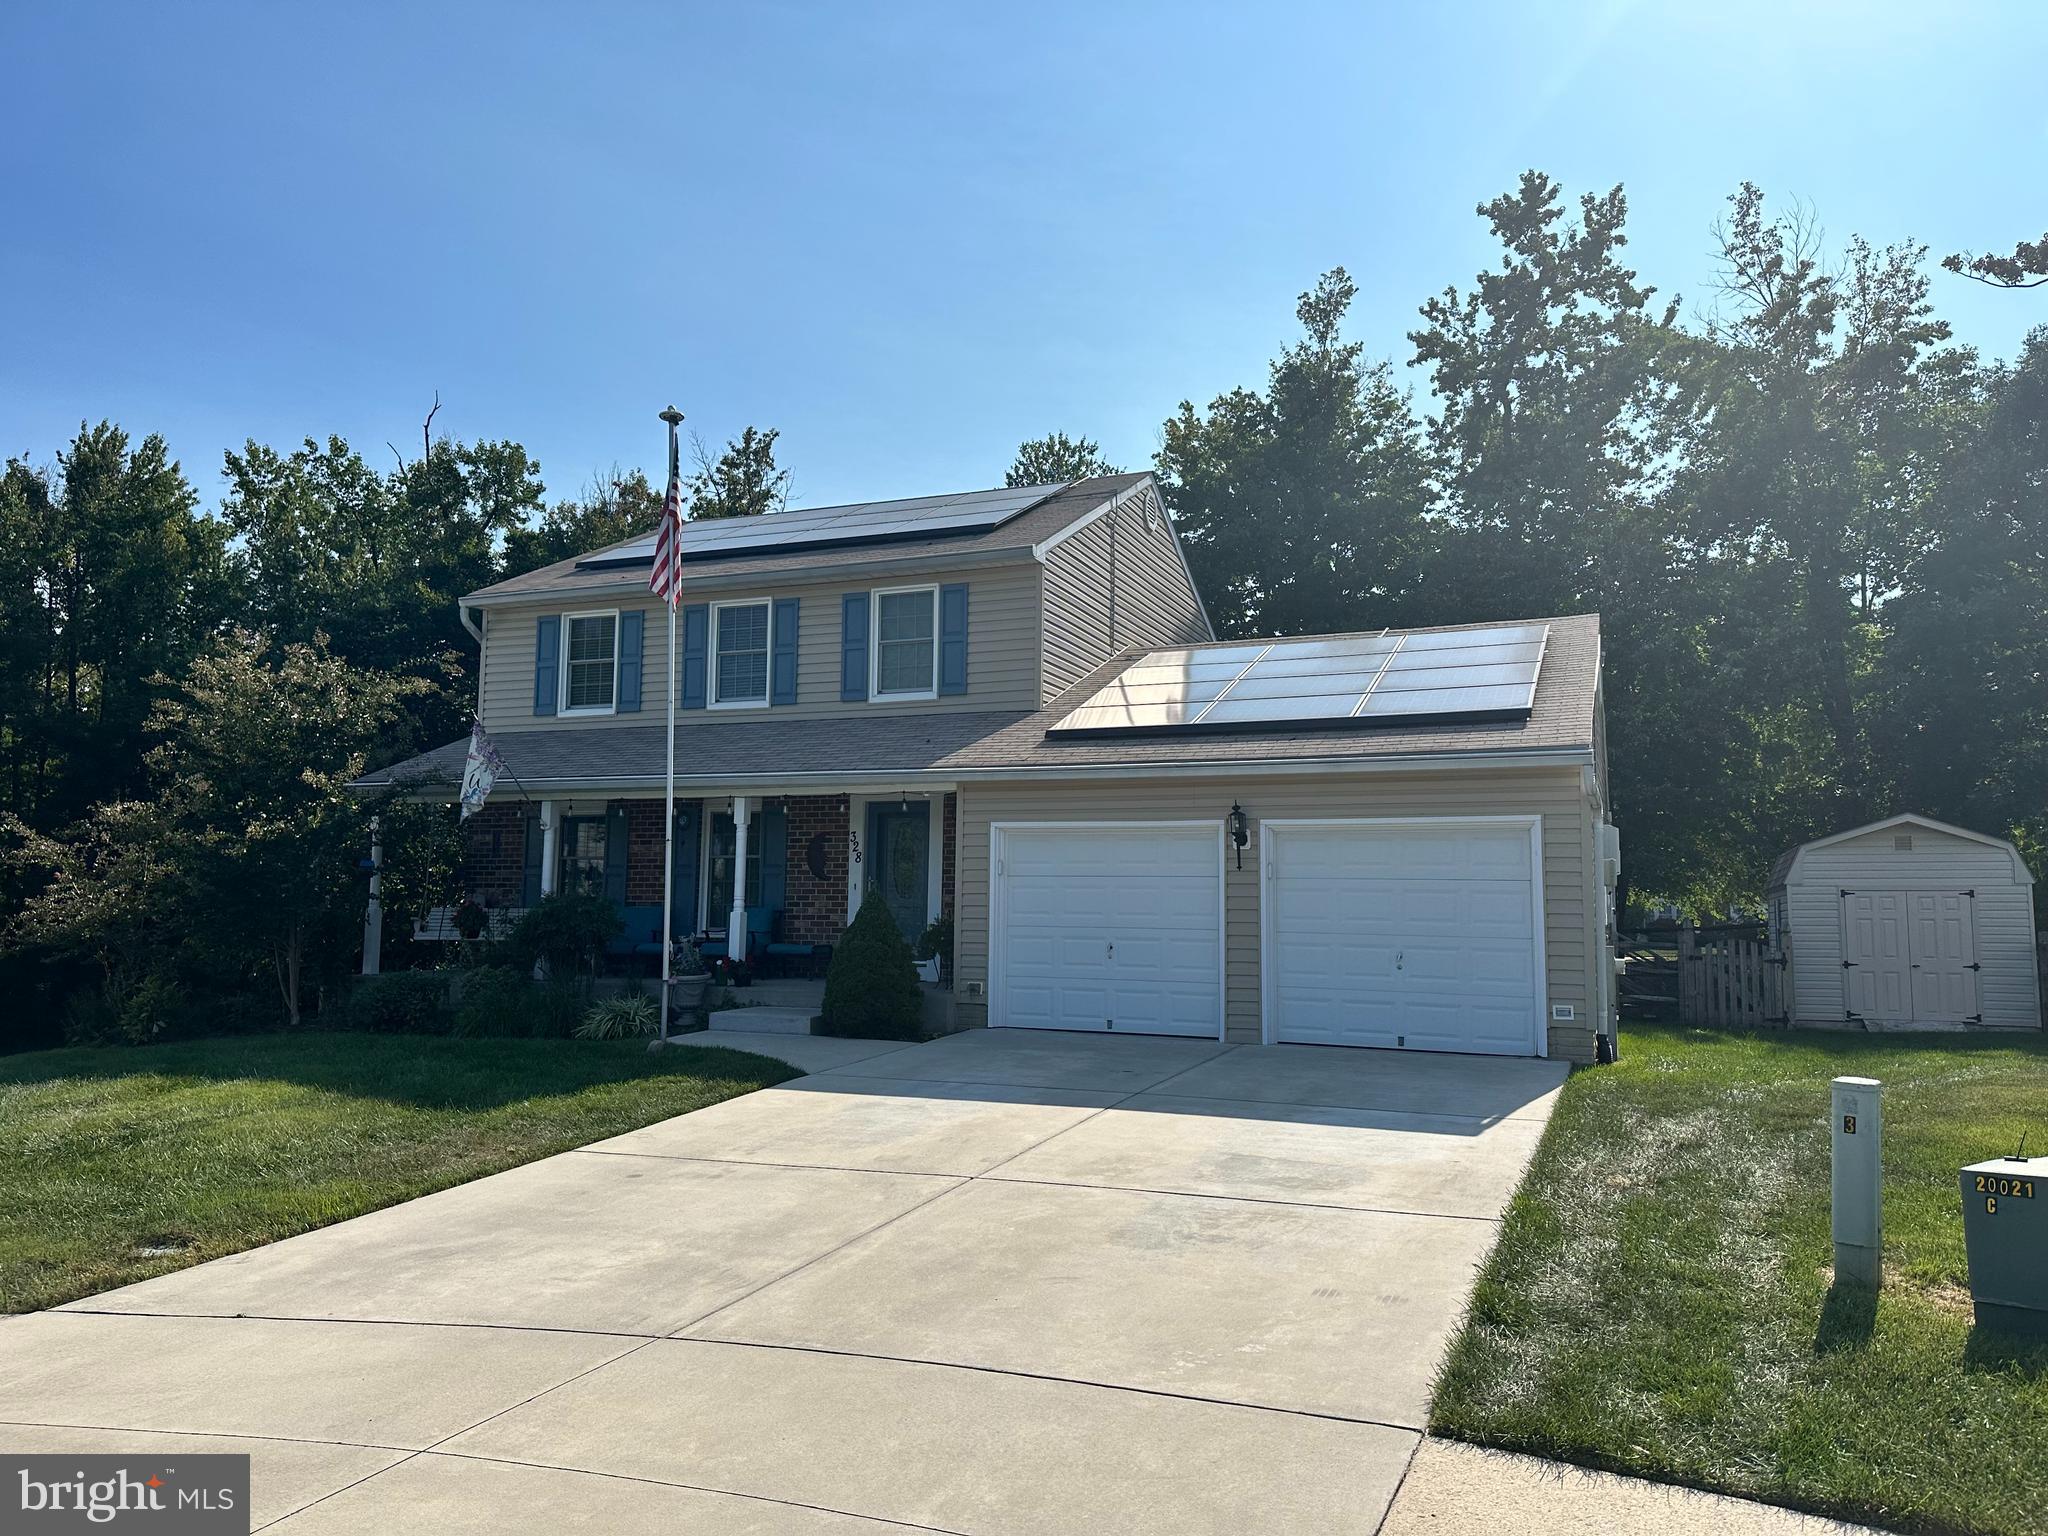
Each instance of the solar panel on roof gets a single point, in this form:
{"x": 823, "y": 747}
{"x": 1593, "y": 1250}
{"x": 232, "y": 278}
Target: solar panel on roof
{"x": 1323, "y": 681}
{"x": 854, "y": 523}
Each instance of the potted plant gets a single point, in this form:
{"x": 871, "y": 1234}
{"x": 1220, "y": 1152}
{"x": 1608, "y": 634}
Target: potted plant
{"x": 689, "y": 977}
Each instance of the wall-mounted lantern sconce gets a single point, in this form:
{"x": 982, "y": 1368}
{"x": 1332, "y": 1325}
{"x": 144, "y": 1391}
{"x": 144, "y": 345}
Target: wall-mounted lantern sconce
{"x": 1240, "y": 830}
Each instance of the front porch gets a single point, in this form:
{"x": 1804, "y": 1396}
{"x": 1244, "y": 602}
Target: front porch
{"x": 805, "y": 863}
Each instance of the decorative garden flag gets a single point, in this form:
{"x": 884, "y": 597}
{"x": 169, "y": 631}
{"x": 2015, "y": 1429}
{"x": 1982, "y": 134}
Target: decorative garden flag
{"x": 480, "y": 771}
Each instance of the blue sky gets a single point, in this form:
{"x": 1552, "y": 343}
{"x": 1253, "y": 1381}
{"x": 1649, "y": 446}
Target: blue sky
{"x": 907, "y": 235}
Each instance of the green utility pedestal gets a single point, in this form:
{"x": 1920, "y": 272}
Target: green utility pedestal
{"x": 2005, "y": 1226}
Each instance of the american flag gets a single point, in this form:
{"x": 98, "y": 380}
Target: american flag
{"x": 666, "y": 579}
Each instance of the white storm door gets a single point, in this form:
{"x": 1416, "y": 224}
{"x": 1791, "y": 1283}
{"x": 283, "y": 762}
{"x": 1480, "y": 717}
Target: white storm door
{"x": 1112, "y": 927}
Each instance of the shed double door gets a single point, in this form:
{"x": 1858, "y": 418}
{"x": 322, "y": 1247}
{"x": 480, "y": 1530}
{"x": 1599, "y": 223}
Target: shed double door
{"x": 1911, "y": 956}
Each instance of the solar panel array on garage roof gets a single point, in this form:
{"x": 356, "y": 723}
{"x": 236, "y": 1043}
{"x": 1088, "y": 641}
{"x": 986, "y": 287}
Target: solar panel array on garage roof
{"x": 1393, "y": 677}
{"x": 855, "y": 523}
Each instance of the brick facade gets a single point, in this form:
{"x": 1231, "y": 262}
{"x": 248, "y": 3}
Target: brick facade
{"x": 643, "y": 852}
{"x": 814, "y": 907}
{"x": 494, "y": 855}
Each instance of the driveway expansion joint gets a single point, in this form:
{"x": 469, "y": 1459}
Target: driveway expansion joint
{"x": 1067, "y": 1381}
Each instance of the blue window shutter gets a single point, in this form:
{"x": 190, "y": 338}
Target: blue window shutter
{"x": 615, "y": 851}
{"x": 953, "y": 637}
{"x": 529, "y": 883}
{"x": 773, "y": 830}
{"x": 783, "y": 688}
{"x": 632, "y": 627}
{"x": 696, "y": 645}
{"x": 853, "y": 646}
{"x": 547, "y": 661}
{"x": 683, "y": 900}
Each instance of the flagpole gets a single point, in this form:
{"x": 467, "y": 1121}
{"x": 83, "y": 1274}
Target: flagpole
{"x": 674, "y": 418}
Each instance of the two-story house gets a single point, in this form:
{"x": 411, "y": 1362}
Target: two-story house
{"x": 1010, "y": 707}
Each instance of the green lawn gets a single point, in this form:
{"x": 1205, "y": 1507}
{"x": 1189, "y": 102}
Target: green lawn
{"x": 120, "y": 1164}
{"x": 1660, "y": 1303}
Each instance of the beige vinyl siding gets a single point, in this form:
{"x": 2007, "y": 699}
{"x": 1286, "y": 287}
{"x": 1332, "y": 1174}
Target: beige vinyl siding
{"x": 1076, "y": 608}
{"x": 1002, "y": 654}
{"x": 1555, "y": 794}
{"x": 1155, "y": 598}
{"x": 1811, "y": 915}
{"x": 1115, "y": 584}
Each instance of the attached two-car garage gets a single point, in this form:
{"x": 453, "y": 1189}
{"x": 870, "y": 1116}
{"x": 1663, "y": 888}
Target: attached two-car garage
{"x": 1416, "y": 933}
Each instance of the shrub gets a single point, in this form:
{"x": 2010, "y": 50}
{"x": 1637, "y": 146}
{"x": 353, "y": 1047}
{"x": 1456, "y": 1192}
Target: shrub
{"x": 569, "y": 932}
{"x": 499, "y": 1000}
{"x": 936, "y": 942}
{"x": 620, "y": 1018}
{"x": 871, "y": 989}
{"x": 131, "y": 1007}
{"x": 399, "y": 1003}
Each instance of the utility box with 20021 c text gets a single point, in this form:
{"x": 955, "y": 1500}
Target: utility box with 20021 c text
{"x": 2005, "y": 1226}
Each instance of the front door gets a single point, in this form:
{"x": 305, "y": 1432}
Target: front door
{"x": 900, "y": 845}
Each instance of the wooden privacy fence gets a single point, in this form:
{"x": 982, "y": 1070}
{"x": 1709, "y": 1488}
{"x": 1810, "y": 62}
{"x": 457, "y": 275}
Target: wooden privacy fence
{"x": 1728, "y": 980}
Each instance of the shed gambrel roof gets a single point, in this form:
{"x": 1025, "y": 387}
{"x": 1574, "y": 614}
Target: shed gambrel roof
{"x": 952, "y": 746}
{"x": 1785, "y": 865}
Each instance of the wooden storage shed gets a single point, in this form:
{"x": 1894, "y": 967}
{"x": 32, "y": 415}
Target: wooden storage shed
{"x": 1908, "y": 923}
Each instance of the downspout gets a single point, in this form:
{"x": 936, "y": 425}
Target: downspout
{"x": 470, "y": 622}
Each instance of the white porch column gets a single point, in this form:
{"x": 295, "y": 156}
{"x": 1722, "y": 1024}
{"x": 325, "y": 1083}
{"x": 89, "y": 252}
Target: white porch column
{"x": 550, "y": 827}
{"x": 373, "y": 914}
{"x": 736, "y": 929}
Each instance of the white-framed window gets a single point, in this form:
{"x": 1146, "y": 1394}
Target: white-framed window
{"x": 590, "y": 663}
{"x": 903, "y": 660}
{"x": 741, "y": 650}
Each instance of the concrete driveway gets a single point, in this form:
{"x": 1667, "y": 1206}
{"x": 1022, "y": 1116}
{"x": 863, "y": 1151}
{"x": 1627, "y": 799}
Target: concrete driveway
{"x": 1004, "y": 1282}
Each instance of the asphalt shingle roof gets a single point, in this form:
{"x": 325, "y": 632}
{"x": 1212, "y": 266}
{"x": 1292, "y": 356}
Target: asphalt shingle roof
{"x": 949, "y": 743}
{"x": 1019, "y": 534}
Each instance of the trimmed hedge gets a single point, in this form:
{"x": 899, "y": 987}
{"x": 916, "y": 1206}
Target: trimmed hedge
{"x": 871, "y": 988}
{"x": 498, "y": 1000}
{"x": 400, "y": 1003}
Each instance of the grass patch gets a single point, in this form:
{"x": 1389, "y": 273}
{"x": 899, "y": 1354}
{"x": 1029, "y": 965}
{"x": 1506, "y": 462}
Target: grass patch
{"x": 116, "y": 1165}
{"x": 1660, "y": 1301}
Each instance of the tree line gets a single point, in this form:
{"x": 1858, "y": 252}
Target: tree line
{"x": 1815, "y": 526}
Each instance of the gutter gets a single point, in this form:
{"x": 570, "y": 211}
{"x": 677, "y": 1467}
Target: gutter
{"x": 955, "y": 777}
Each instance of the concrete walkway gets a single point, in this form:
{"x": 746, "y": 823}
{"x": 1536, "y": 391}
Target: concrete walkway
{"x": 1004, "y": 1282}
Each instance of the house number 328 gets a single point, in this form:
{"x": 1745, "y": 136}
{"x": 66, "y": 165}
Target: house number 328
{"x": 853, "y": 844}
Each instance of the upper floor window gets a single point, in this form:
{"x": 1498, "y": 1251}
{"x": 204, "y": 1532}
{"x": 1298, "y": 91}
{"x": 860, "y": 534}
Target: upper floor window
{"x": 739, "y": 648}
{"x": 906, "y": 652}
{"x": 590, "y": 663}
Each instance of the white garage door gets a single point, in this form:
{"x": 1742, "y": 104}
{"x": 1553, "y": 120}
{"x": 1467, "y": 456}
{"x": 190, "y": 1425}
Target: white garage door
{"x": 1108, "y": 927}
{"x": 1413, "y": 935}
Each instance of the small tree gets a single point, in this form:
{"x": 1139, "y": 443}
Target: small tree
{"x": 871, "y": 989}
{"x": 243, "y": 861}
{"x": 744, "y": 481}
{"x": 1056, "y": 458}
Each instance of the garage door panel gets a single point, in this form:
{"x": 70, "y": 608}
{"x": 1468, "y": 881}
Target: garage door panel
{"x": 1110, "y": 928}
{"x": 1422, "y": 937}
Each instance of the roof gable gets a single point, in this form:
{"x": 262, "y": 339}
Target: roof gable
{"x": 1786, "y": 865}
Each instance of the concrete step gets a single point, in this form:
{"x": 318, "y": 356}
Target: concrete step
{"x": 765, "y": 1021}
